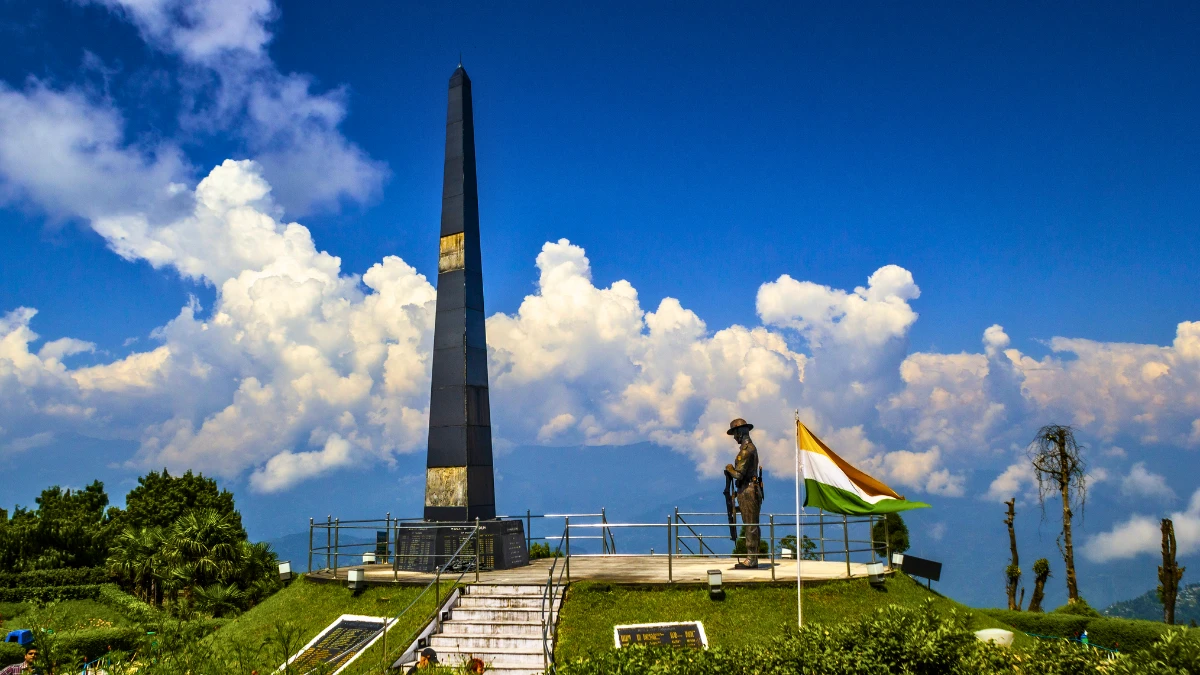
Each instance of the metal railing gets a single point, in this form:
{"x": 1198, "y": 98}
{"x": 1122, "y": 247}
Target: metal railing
{"x": 336, "y": 552}
{"x": 689, "y": 534}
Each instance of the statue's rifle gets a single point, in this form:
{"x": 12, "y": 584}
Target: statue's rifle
{"x": 729, "y": 496}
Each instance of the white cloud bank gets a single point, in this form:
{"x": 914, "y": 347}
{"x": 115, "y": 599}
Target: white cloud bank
{"x": 300, "y": 367}
{"x": 1142, "y": 535}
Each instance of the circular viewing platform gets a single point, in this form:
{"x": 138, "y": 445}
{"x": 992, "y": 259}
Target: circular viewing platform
{"x": 618, "y": 569}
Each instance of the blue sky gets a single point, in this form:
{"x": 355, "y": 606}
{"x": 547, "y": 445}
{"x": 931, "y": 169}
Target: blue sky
{"x": 1024, "y": 167}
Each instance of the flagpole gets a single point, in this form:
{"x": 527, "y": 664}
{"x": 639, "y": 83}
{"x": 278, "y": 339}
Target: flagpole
{"x": 799, "y": 531}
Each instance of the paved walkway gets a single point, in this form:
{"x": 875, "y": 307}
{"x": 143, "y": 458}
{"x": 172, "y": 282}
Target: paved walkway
{"x": 656, "y": 569}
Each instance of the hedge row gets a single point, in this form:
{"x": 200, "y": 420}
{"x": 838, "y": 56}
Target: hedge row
{"x": 128, "y": 605}
{"x": 81, "y": 576}
{"x": 1121, "y": 634}
{"x": 50, "y": 593}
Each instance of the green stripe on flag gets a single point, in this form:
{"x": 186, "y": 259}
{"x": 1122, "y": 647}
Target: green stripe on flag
{"x": 835, "y": 500}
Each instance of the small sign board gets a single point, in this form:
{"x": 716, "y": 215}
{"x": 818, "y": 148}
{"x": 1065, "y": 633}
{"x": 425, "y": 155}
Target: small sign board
{"x": 918, "y": 567}
{"x": 675, "y": 634}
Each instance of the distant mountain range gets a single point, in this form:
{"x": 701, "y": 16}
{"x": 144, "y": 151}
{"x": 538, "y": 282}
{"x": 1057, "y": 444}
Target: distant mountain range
{"x": 1147, "y": 606}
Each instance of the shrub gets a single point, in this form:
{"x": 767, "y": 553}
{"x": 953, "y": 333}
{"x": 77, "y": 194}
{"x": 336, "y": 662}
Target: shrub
{"x": 1078, "y": 608}
{"x": 50, "y": 593}
{"x": 542, "y": 550}
{"x": 61, "y": 577}
{"x": 10, "y": 653}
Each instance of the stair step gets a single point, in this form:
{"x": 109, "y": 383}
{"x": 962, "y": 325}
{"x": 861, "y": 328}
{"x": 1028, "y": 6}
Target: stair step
{"x": 515, "y": 628}
{"x": 496, "y": 658}
{"x": 501, "y": 601}
{"x": 485, "y": 643}
{"x": 501, "y": 614}
{"x": 510, "y": 589}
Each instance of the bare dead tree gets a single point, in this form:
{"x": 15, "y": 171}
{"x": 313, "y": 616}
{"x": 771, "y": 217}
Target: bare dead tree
{"x": 1013, "y": 572}
{"x": 1169, "y": 573}
{"x": 1058, "y": 464}
{"x": 1041, "y": 572}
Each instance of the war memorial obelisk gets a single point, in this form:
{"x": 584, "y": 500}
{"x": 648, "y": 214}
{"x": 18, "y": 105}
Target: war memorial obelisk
{"x": 459, "y": 481}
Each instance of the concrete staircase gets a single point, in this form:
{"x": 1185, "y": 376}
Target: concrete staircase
{"x": 500, "y": 624}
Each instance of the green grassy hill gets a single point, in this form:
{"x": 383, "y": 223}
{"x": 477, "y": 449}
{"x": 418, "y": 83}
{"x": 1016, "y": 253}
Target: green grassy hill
{"x": 289, "y": 619}
{"x": 748, "y": 615}
{"x": 1147, "y": 606}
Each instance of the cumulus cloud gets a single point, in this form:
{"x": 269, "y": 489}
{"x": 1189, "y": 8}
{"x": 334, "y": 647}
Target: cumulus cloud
{"x": 1016, "y": 481}
{"x": 1141, "y": 534}
{"x": 1140, "y": 482}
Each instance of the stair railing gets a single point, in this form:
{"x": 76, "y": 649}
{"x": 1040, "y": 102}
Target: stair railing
{"x": 387, "y": 623}
{"x": 550, "y": 595}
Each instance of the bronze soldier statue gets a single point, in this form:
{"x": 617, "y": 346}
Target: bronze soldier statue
{"x": 748, "y": 480}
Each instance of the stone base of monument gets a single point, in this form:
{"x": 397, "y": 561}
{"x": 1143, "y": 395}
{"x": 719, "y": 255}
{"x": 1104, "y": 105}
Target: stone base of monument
{"x": 424, "y": 546}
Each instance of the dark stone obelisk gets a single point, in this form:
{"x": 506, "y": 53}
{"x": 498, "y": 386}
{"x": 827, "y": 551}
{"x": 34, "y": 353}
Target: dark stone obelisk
{"x": 459, "y": 482}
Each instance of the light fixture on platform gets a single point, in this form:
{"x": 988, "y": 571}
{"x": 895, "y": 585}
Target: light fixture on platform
{"x": 369, "y": 558}
{"x": 875, "y": 574}
{"x": 715, "y": 592}
{"x": 285, "y": 570}
{"x": 356, "y": 579}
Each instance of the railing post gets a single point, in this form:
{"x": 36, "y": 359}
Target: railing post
{"x": 871, "y": 535}
{"x": 603, "y": 537}
{"x": 437, "y": 590}
{"x": 396, "y": 558}
{"x": 567, "y": 532}
{"x": 328, "y": 540}
{"x": 846, "y": 538}
{"x": 821, "y": 520}
{"x": 478, "y": 545}
{"x": 336, "y": 544}
{"x": 677, "y": 531}
{"x": 528, "y": 530}
{"x": 670, "y": 557}
{"x": 772, "y": 540}
{"x": 387, "y": 541}
{"x": 310, "y": 543}
{"x": 887, "y": 542}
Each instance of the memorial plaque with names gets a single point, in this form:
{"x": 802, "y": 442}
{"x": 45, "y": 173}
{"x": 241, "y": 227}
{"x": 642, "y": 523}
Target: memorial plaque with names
{"x": 416, "y": 549}
{"x": 678, "y": 634}
{"x": 422, "y": 548}
{"x": 338, "y": 644}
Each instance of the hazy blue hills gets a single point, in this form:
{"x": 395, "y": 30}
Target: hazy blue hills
{"x": 1147, "y": 606}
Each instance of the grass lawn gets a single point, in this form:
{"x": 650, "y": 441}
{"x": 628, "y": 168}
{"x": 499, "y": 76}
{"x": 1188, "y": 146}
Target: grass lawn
{"x": 306, "y": 607}
{"x": 749, "y": 614}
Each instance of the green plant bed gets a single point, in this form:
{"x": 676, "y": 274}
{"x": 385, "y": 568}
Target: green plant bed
{"x": 59, "y": 577}
{"x": 749, "y": 614}
{"x": 916, "y": 640}
{"x": 1114, "y": 633}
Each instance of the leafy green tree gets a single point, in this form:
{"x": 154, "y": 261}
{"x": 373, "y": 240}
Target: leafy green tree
{"x": 890, "y": 532}
{"x": 67, "y": 529}
{"x": 160, "y": 499}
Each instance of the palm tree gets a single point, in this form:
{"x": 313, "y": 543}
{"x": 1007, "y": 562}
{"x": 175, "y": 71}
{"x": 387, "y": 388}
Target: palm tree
{"x": 203, "y": 547}
{"x": 133, "y": 557}
{"x": 219, "y": 599}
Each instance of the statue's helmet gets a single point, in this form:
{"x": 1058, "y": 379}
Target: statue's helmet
{"x": 738, "y": 424}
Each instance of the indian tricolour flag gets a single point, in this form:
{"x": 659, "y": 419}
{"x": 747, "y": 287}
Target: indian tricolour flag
{"x": 831, "y": 484}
